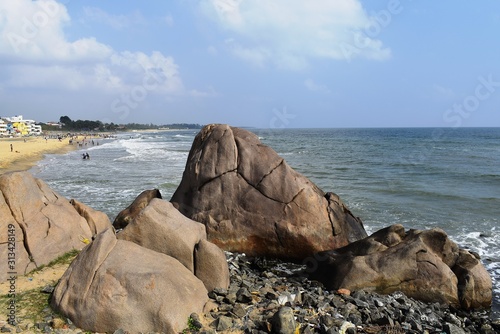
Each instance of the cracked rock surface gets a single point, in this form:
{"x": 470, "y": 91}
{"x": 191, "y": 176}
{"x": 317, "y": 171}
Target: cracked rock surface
{"x": 44, "y": 224}
{"x": 425, "y": 265}
{"x": 116, "y": 284}
{"x": 252, "y": 201}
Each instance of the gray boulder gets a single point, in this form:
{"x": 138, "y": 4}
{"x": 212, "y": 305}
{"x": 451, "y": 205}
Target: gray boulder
{"x": 43, "y": 223}
{"x": 251, "y": 201}
{"x": 116, "y": 284}
{"x": 425, "y": 265}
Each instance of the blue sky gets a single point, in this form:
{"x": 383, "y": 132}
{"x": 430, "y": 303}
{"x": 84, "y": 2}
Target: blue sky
{"x": 260, "y": 63}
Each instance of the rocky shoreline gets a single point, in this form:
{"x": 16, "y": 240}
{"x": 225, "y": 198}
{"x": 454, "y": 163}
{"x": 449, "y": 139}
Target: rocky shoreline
{"x": 272, "y": 296}
{"x": 265, "y": 294}
{"x": 161, "y": 265}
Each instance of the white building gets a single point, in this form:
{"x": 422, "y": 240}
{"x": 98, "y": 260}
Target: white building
{"x": 3, "y": 128}
{"x": 15, "y": 119}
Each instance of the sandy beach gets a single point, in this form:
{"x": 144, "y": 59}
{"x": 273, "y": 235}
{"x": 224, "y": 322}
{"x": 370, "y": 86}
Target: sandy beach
{"x": 17, "y": 154}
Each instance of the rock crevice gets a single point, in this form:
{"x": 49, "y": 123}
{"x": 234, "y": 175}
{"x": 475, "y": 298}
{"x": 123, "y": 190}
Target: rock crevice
{"x": 46, "y": 223}
{"x": 257, "y": 192}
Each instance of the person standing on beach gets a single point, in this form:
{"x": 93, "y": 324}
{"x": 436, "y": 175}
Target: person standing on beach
{"x": 11, "y": 148}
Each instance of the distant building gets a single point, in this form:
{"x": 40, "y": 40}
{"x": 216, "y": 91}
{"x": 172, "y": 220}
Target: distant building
{"x": 56, "y": 124}
{"x": 17, "y": 126}
{"x": 3, "y": 128}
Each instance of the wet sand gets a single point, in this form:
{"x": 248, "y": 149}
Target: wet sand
{"x": 19, "y": 154}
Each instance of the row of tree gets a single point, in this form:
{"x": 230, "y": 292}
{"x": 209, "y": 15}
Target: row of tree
{"x": 67, "y": 124}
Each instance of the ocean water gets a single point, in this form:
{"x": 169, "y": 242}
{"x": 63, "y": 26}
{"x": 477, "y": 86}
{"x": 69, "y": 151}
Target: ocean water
{"x": 418, "y": 177}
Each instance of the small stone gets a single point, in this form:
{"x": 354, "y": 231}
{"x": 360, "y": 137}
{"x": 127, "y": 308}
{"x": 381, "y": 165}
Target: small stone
{"x": 496, "y": 324}
{"x": 243, "y": 296}
{"x": 487, "y": 329}
{"x": 195, "y": 321}
{"x": 355, "y": 318}
{"x": 452, "y": 329}
{"x": 224, "y": 323}
{"x": 208, "y": 331}
{"x": 255, "y": 315}
{"x": 41, "y": 325}
{"x": 452, "y": 319}
{"x": 344, "y": 292}
{"x": 347, "y": 327}
{"x": 239, "y": 311}
{"x": 119, "y": 331}
{"x": 220, "y": 291}
{"x": 271, "y": 295}
{"x": 58, "y": 323}
{"x": 47, "y": 289}
{"x": 268, "y": 274}
{"x": 5, "y": 329}
{"x": 415, "y": 325}
{"x": 230, "y": 298}
{"x": 327, "y": 320}
{"x": 283, "y": 321}
{"x": 210, "y": 306}
{"x": 308, "y": 330}
{"x": 360, "y": 303}
{"x": 378, "y": 302}
{"x": 225, "y": 308}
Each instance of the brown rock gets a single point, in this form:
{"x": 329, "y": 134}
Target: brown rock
{"x": 12, "y": 239}
{"x": 46, "y": 225}
{"x": 251, "y": 201}
{"x": 164, "y": 229}
{"x": 211, "y": 265}
{"x": 418, "y": 263}
{"x": 128, "y": 214}
{"x": 474, "y": 282}
{"x": 115, "y": 284}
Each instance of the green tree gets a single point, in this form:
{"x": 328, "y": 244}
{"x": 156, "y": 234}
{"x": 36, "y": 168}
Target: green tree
{"x": 65, "y": 120}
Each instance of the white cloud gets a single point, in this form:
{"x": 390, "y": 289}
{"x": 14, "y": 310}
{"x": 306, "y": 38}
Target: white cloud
{"x": 292, "y": 33}
{"x": 257, "y": 56}
{"x": 117, "y": 22}
{"x": 314, "y": 87}
{"x": 32, "y": 30}
{"x": 35, "y": 53}
{"x": 155, "y": 72}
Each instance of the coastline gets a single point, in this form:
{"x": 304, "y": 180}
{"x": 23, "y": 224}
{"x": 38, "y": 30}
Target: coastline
{"x": 26, "y": 152}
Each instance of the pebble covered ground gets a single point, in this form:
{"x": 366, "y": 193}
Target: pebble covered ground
{"x": 270, "y": 296}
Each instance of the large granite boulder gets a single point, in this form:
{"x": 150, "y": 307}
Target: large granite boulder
{"x": 425, "y": 265}
{"x": 127, "y": 215}
{"x": 116, "y": 284}
{"x": 162, "y": 228}
{"x": 251, "y": 201}
{"x": 43, "y": 224}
